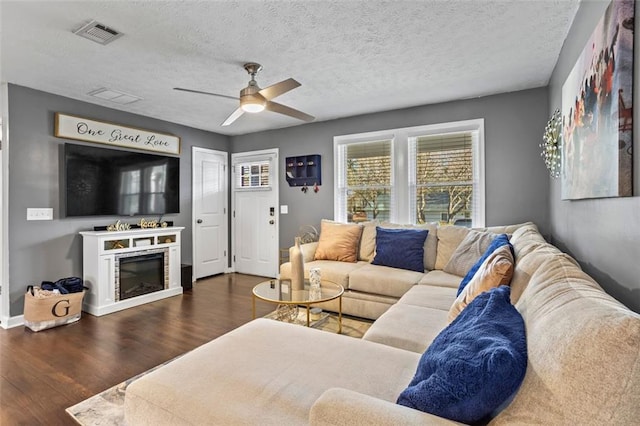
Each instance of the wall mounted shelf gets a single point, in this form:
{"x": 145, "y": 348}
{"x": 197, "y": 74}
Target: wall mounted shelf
{"x": 304, "y": 170}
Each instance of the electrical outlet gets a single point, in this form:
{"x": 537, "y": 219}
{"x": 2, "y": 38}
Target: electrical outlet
{"x": 40, "y": 214}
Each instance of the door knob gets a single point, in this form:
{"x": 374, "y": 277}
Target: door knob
{"x": 199, "y": 221}
{"x": 271, "y": 222}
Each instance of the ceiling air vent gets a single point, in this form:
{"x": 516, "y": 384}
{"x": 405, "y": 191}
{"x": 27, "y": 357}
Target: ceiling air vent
{"x": 97, "y": 32}
{"x": 114, "y": 96}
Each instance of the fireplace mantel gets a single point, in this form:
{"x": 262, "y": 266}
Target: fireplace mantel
{"x": 101, "y": 251}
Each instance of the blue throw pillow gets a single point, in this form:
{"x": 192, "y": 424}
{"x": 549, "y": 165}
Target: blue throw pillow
{"x": 400, "y": 248}
{"x": 475, "y": 364}
{"x": 497, "y": 242}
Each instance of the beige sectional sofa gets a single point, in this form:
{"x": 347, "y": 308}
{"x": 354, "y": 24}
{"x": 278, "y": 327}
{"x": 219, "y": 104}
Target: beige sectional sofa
{"x": 372, "y": 289}
{"x": 583, "y": 358}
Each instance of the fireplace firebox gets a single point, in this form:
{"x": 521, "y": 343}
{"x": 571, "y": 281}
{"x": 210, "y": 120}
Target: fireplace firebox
{"x": 139, "y": 274}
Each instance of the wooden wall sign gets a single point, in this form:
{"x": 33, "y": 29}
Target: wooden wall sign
{"x": 84, "y": 129}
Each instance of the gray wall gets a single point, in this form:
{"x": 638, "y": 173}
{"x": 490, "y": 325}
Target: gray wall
{"x": 516, "y": 179}
{"x": 48, "y": 250}
{"x": 602, "y": 234}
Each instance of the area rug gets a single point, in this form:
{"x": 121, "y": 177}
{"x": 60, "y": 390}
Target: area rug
{"x": 107, "y": 408}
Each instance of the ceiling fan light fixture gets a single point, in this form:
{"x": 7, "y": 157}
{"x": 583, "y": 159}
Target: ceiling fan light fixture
{"x": 253, "y": 99}
{"x": 252, "y": 104}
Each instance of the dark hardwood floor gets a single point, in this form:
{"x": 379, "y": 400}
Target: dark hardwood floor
{"x": 43, "y": 373}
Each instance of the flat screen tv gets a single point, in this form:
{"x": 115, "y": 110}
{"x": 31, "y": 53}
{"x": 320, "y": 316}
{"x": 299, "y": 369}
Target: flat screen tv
{"x": 111, "y": 182}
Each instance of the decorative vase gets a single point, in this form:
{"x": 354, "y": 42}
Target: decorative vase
{"x": 314, "y": 278}
{"x": 314, "y": 284}
{"x": 297, "y": 266}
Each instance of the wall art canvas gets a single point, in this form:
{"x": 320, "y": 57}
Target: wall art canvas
{"x": 597, "y": 113}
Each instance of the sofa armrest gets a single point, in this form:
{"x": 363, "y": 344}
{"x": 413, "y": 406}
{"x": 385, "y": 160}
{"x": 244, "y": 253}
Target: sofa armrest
{"x": 339, "y": 406}
{"x": 308, "y": 251}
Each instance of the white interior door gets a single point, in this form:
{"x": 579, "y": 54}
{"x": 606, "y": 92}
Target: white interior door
{"x": 210, "y": 223}
{"x": 255, "y": 207}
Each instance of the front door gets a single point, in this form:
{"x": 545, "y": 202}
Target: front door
{"x": 210, "y": 236}
{"x": 255, "y": 213}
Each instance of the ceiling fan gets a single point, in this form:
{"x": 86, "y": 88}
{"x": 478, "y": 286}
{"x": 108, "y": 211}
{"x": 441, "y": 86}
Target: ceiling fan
{"x": 254, "y": 99}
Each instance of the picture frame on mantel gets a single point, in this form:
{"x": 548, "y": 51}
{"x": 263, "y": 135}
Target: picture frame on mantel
{"x": 85, "y": 129}
{"x": 597, "y": 111}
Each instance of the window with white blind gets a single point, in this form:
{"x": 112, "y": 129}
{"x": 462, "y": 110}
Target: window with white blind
{"x": 366, "y": 183}
{"x": 443, "y": 187}
{"x": 419, "y": 174}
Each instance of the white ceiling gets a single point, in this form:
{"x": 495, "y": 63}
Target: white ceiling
{"x": 352, "y": 57}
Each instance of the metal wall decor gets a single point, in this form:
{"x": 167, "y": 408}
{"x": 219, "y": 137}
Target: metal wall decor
{"x": 551, "y": 146}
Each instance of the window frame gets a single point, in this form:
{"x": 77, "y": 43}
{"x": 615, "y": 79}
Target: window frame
{"x": 403, "y": 168}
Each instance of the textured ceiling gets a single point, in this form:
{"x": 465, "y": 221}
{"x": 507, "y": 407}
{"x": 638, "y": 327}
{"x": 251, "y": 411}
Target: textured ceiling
{"x": 352, "y": 57}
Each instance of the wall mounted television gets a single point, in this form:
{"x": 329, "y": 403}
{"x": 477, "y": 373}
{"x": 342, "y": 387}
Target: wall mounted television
{"x": 111, "y": 182}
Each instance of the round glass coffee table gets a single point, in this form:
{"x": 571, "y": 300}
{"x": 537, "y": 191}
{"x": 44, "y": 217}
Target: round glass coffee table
{"x": 280, "y": 292}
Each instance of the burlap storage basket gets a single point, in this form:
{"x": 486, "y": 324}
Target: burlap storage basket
{"x": 40, "y": 314}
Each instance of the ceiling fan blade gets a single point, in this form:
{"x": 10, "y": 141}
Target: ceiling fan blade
{"x": 283, "y": 109}
{"x": 279, "y": 88}
{"x": 233, "y": 117}
{"x": 205, "y": 93}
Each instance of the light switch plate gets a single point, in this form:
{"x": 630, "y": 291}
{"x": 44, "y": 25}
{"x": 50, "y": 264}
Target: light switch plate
{"x": 40, "y": 214}
{"x": 284, "y": 209}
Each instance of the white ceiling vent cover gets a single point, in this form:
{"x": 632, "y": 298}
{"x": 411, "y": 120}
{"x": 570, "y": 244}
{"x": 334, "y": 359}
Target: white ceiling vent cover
{"x": 97, "y": 32}
{"x": 115, "y": 96}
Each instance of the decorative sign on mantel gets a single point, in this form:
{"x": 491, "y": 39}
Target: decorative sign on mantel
{"x": 84, "y": 129}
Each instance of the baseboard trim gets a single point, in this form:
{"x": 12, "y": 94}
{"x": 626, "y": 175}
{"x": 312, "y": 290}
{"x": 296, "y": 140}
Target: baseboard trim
{"x": 11, "y": 322}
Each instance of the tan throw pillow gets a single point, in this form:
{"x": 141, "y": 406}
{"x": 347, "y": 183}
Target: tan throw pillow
{"x": 495, "y": 271}
{"x": 338, "y": 241}
{"x": 368, "y": 241}
{"x": 449, "y": 238}
{"x": 468, "y": 252}
{"x": 430, "y": 245}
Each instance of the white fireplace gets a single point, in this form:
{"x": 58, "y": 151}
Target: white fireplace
{"x": 124, "y": 269}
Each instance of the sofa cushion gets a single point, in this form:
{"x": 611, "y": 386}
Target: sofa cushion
{"x": 264, "y": 373}
{"x": 308, "y": 251}
{"x": 528, "y": 231}
{"x": 529, "y": 256}
{"x": 440, "y": 279}
{"x": 383, "y": 280}
{"x": 475, "y": 364}
{"x": 449, "y": 238}
{"x": 430, "y": 244}
{"x": 495, "y": 271}
{"x": 400, "y": 248}
{"x": 429, "y": 296}
{"x": 499, "y": 241}
{"x": 475, "y": 243}
{"x": 340, "y": 406}
{"x": 407, "y": 327}
{"x": 363, "y": 305}
{"x": 336, "y": 272}
{"x": 368, "y": 241}
{"x": 338, "y": 241}
{"x": 584, "y": 352}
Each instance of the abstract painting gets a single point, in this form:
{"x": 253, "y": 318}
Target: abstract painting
{"x": 597, "y": 111}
